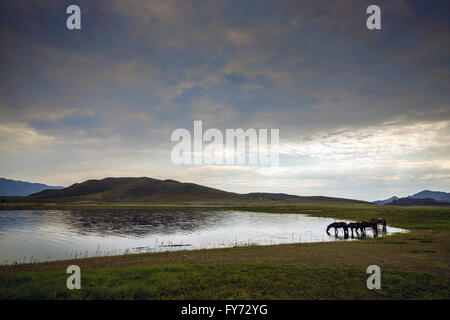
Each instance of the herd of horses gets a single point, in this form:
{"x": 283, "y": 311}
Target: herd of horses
{"x": 355, "y": 226}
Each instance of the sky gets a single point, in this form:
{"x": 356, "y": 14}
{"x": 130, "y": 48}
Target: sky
{"x": 362, "y": 114}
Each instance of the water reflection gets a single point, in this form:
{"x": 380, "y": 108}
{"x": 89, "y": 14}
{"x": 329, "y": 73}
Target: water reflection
{"x": 135, "y": 223}
{"x": 63, "y": 234}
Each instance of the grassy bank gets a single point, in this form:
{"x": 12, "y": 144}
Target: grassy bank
{"x": 234, "y": 281}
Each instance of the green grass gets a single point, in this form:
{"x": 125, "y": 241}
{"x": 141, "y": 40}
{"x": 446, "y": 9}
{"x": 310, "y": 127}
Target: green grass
{"x": 267, "y": 280}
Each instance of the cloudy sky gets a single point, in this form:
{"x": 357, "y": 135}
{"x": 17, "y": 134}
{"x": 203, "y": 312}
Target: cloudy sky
{"x": 362, "y": 113}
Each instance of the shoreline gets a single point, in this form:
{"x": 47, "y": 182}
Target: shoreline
{"x": 241, "y": 245}
{"x": 394, "y": 252}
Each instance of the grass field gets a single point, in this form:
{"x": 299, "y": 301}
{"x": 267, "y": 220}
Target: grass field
{"x": 414, "y": 265}
{"x": 266, "y": 280}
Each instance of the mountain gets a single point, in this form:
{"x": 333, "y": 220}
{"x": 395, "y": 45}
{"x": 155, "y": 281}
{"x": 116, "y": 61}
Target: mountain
{"x": 135, "y": 189}
{"x": 428, "y": 197}
{"x": 436, "y": 195}
{"x": 156, "y": 191}
{"x": 284, "y": 196}
{"x": 10, "y": 187}
{"x": 381, "y": 202}
{"x": 418, "y": 202}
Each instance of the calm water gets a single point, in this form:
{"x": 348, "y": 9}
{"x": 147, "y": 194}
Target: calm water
{"x": 61, "y": 234}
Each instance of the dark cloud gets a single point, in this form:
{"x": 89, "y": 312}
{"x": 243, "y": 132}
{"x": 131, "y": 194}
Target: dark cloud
{"x": 139, "y": 69}
{"x": 77, "y": 120}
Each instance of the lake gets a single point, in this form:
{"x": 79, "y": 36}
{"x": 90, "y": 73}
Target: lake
{"x": 45, "y": 235}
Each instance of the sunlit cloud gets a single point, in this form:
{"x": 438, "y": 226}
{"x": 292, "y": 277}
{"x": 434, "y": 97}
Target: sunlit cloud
{"x": 388, "y": 141}
{"x": 18, "y": 138}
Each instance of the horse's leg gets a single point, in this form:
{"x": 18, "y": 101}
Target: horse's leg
{"x": 336, "y": 232}
{"x": 363, "y": 233}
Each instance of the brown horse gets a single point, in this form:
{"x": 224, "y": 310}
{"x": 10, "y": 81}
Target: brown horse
{"x": 380, "y": 221}
{"x": 336, "y": 226}
{"x": 372, "y": 225}
{"x": 354, "y": 225}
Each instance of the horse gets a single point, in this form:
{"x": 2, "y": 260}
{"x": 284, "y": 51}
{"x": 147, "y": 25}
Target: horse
{"x": 364, "y": 225}
{"x": 354, "y": 225}
{"x": 336, "y": 226}
{"x": 380, "y": 221}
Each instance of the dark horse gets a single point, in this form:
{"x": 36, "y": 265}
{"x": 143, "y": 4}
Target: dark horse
{"x": 372, "y": 225}
{"x": 354, "y": 225}
{"x": 380, "y": 221}
{"x": 336, "y": 226}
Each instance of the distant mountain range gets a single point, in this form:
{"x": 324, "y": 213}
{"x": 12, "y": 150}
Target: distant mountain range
{"x": 436, "y": 195}
{"x": 391, "y": 199}
{"x": 425, "y": 197}
{"x": 171, "y": 191}
{"x": 284, "y": 196}
{"x": 418, "y": 202}
{"x": 10, "y": 187}
{"x": 158, "y": 191}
